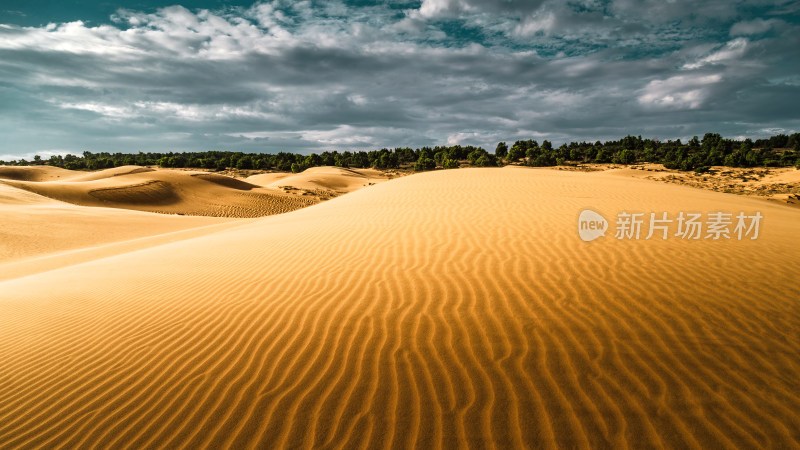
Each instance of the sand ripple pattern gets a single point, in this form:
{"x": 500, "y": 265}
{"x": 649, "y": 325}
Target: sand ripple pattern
{"x": 442, "y": 310}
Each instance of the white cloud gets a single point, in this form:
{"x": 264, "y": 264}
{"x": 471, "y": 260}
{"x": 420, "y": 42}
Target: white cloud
{"x": 286, "y": 74}
{"x": 111, "y": 111}
{"x": 678, "y": 92}
{"x": 45, "y": 154}
{"x": 732, "y": 51}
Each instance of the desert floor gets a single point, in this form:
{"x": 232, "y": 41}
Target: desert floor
{"x": 438, "y": 310}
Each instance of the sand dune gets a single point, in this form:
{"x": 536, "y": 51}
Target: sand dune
{"x": 331, "y": 180}
{"x": 108, "y": 173}
{"x": 36, "y": 173}
{"x": 164, "y": 191}
{"x": 438, "y": 310}
{"x": 39, "y": 233}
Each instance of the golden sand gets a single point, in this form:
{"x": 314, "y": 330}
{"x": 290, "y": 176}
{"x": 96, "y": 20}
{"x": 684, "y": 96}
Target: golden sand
{"x": 440, "y": 310}
{"x": 155, "y": 190}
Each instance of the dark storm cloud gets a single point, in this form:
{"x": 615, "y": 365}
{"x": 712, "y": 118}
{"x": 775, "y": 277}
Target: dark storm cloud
{"x": 304, "y": 76}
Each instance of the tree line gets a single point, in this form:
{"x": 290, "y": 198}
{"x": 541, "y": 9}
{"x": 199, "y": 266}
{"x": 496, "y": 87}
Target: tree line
{"x": 696, "y": 154}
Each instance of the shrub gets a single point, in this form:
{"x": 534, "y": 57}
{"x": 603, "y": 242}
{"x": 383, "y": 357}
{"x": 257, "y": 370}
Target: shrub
{"x": 486, "y": 160}
{"x": 542, "y": 161}
{"x": 515, "y": 153}
{"x": 502, "y": 150}
{"x": 424, "y": 163}
{"x": 450, "y": 163}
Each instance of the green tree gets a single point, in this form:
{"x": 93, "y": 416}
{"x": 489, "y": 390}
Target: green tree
{"x": 542, "y": 160}
{"x": 486, "y": 160}
{"x": 450, "y": 163}
{"x": 424, "y": 163}
{"x": 176, "y": 161}
{"x": 501, "y": 150}
{"x": 515, "y": 153}
{"x": 439, "y": 157}
{"x": 624, "y": 157}
{"x": 244, "y": 163}
{"x": 603, "y": 156}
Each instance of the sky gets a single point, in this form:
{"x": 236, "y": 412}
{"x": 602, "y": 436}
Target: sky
{"x": 310, "y": 76}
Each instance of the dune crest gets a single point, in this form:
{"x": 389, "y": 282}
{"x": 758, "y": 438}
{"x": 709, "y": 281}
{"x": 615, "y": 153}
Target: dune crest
{"x": 36, "y": 173}
{"x": 34, "y": 227}
{"x": 440, "y": 310}
{"x": 108, "y": 173}
{"x": 165, "y": 191}
{"x": 328, "y": 180}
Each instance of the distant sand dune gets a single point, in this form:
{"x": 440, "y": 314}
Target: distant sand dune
{"x": 108, "y": 173}
{"x": 150, "y": 192}
{"x": 438, "y": 310}
{"x": 164, "y": 191}
{"x": 35, "y": 227}
{"x": 225, "y": 181}
{"x": 336, "y": 180}
{"x": 36, "y": 173}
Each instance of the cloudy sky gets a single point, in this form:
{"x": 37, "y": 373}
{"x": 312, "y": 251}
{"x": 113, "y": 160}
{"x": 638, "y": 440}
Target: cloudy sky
{"x": 312, "y": 76}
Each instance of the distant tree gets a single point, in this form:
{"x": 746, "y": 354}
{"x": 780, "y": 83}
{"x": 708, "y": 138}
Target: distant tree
{"x": 176, "y": 161}
{"x": 751, "y": 158}
{"x": 794, "y": 142}
{"x": 780, "y": 151}
{"x": 624, "y": 157}
{"x": 603, "y": 156}
{"x": 450, "y": 163}
{"x": 473, "y": 156}
{"x": 424, "y": 163}
{"x": 439, "y": 157}
{"x": 486, "y": 160}
{"x": 515, "y": 153}
{"x": 501, "y": 150}
{"x": 542, "y": 160}
{"x": 244, "y": 163}
{"x": 312, "y": 160}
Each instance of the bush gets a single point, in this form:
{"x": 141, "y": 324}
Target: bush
{"x": 450, "y": 163}
{"x": 603, "y": 156}
{"x": 625, "y": 157}
{"x": 474, "y": 155}
{"x": 542, "y": 160}
{"x": 424, "y": 163}
{"x": 486, "y": 160}
{"x": 244, "y": 163}
{"x": 502, "y": 150}
{"x": 515, "y": 153}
